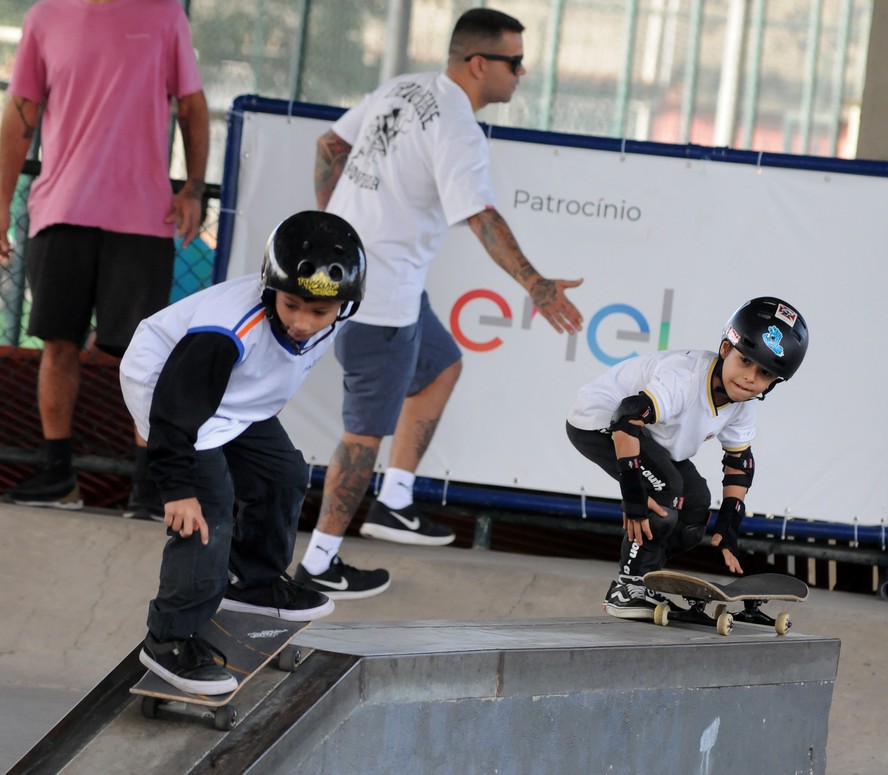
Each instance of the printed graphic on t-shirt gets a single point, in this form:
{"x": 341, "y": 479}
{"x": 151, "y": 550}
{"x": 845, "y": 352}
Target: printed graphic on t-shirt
{"x": 411, "y": 105}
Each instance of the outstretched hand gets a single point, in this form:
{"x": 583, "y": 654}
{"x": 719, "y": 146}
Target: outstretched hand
{"x": 550, "y": 299}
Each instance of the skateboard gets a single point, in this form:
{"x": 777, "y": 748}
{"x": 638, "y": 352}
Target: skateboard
{"x": 250, "y": 642}
{"x": 752, "y": 591}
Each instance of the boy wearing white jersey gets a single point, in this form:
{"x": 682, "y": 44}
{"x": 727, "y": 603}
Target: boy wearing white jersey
{"x": 204, "y": 380}
{"x": 646, "y": 417}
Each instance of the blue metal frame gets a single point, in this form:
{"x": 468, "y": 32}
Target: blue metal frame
{"x": 565, "y": 505}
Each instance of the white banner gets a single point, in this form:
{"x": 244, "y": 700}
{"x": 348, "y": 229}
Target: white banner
{"x": 667, "y": 248}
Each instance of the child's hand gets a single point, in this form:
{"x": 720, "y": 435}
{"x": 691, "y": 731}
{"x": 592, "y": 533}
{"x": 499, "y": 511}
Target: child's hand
{"x": 639, "y": 529}
{"x": 730, "y": 558}
{"x": 185, "y": 517}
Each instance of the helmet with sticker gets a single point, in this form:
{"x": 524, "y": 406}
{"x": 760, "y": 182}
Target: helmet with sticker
{"x": 771, "y": 333}
{"x": 317, "y": 256}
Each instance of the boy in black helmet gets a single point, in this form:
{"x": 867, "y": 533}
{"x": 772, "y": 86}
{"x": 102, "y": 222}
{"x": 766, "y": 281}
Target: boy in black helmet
{"x": 646, "y": 417}
{"x": 204, "y": 380}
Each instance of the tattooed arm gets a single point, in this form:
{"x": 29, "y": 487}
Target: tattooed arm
{"x": 16, "y": 132}
{"x": 548, "y": 295}
{"x": 332, "y": 151}
{"x": 193, "y": 117}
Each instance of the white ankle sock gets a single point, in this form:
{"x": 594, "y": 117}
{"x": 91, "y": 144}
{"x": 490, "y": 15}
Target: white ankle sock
{"x": 322, "y": 548}
{"x": 397, "y": 488}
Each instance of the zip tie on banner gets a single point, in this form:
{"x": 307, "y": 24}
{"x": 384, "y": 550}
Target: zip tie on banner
{"x": 231, "y": 210}
{"x": 583, "y": 502}
{"x": 446, "y": 485}
{"x": 883, "y": 534}
{"x": 855, "y": 543}
{"x": 783, "y": 529}
{"x": 290, "y": 111}
{"x": 623, "y": 149}
{"x": 311, "y": 466}
{"x": 758, "y": 162}
{"x": 376, "y": 485}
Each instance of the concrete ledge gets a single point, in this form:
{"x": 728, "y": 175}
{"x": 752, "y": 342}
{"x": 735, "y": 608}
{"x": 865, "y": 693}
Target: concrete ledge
{"x": 579, "y": 695}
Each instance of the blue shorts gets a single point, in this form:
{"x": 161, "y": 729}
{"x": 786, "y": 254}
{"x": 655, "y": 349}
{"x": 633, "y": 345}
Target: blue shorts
{"x": 383, "y": 365}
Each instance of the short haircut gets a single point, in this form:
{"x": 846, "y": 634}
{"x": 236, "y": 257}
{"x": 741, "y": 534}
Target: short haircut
{"x": 480, "y": 26}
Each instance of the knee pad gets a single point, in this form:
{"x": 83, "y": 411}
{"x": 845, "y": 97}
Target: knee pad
{"x": 662, "y": 527}
{"x": 686, "y": 537}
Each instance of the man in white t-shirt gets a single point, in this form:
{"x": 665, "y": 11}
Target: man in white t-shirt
{"x": 644, "y": 419}
{"x": 405, "y": 165}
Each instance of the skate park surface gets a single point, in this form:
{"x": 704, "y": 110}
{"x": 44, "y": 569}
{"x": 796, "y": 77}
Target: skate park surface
{"x": 76, "y": 586}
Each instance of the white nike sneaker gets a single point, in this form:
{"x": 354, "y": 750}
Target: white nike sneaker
{"x": 404, "y": 526}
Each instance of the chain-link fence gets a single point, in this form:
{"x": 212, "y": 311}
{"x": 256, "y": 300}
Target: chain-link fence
{"x": 103, "y": 433}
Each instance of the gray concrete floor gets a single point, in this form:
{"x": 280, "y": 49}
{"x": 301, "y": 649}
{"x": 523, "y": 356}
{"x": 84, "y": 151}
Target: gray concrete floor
{"x": 76, "y": 585}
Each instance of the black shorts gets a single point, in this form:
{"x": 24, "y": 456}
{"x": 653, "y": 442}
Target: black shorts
{"x": 75, "y": 270}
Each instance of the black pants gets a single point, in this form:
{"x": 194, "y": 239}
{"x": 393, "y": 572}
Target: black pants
{"x": 268, "y": 477}
{"x": 669, "y": 483}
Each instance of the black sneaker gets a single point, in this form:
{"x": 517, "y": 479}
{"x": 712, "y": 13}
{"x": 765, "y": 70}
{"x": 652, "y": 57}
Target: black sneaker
{"x": 192, "y": 665}
{"x": 48, "y": 488}
{"x": 343, "y": 582}
{"x": 145, "y": 502}
{"x": 627, "y": 598}
{"x": 404, "y": 526}
{"x": 284, "y": 599}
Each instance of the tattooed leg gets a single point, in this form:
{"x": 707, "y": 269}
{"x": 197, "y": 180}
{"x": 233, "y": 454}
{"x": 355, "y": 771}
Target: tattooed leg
{"x": 346, "y": 482}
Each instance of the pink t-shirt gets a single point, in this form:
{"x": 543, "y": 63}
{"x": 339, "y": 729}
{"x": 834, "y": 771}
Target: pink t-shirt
{"x": 106, "y": 72}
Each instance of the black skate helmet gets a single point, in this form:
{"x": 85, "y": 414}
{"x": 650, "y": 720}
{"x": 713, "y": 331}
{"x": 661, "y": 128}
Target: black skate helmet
{"x": 770, "y": 333}
{"x": 317, "y": 256}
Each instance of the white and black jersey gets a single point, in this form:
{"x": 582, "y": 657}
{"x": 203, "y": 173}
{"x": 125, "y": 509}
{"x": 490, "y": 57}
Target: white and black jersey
{"x": 199, "y": 372}
{"x": 679, "y": 382}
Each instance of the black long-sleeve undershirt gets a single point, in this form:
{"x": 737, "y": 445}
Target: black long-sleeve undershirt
{"x": 188, "y": 392}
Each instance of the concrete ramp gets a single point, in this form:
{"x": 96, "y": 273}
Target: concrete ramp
{"x": 568, "y": 696}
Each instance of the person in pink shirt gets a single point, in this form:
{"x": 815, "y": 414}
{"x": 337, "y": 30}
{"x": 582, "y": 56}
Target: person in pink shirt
{"x": 102, "y": 211}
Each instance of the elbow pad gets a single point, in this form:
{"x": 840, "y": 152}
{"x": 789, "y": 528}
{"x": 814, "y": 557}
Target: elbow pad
{"x": 637, "y": 407}
{"x": 742, "y": 461}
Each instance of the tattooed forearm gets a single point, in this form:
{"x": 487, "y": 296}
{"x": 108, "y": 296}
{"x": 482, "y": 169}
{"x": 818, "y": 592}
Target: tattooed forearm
{"x": 499, "y": 241}
{"x": 194, "y": 188}
{"x": 29, "y": 128}
{"x": 332, "y": 152}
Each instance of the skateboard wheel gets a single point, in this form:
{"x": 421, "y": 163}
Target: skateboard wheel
{"x": 782, "y": 623}
{"x": 288, "y": 659}
{"x": 225, "y": 718}
{"x": 719, "y": 610}
{"x": 150, "y": 706}
{"x": 661, "y": 614}
{"x": 724, "y": 624}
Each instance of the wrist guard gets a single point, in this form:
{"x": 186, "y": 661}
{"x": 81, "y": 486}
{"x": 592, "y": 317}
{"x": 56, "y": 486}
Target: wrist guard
{"x": 727, "y": 523}
{"x": 632, "y": 489}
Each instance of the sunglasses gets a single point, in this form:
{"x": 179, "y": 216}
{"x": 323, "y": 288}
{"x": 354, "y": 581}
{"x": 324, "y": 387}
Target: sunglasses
{"x": 514, "y": 61}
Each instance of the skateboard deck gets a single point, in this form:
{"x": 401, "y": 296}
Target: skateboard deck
{"x": 752, "y": 591}
{"x": 249, "y": 641}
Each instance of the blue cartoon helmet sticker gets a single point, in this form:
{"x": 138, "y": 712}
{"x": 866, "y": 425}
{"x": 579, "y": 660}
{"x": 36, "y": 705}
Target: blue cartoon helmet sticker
{"x": 772, "y": 339}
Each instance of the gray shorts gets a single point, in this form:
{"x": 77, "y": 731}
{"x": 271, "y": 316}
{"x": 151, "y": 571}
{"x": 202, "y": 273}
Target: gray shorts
{"x": 73, "y": 270}
{"x": 383, "y": 365}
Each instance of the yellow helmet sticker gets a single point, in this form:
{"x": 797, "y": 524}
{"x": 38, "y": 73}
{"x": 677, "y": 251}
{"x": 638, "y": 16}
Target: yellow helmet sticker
{"x": 319, "y": 284}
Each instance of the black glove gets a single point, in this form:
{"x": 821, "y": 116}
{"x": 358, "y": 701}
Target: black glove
{"x": 632, "y": 489}
{"x": 727, "y": 523}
